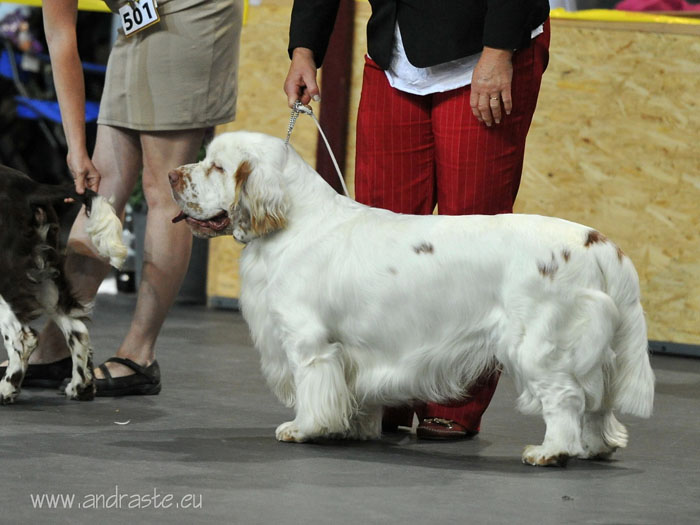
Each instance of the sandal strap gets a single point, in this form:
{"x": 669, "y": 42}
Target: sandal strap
{"x": 137, "y": 368}
{"x": 105, "y": 371}
{"x": 107, "y": 377}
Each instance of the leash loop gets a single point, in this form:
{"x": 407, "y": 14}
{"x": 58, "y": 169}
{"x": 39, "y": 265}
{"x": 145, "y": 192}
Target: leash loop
{"x": 301, "y": 108}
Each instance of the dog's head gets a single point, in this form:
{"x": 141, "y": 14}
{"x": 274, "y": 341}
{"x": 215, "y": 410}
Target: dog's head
{"x": 236, "y": 190}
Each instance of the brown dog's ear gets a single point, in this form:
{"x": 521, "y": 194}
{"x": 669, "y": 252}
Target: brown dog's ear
{"x": 241, "y": 177}
{"x": 263, "y": 194}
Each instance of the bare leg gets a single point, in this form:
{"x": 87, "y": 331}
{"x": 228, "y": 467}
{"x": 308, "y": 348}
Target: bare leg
{"x": 167, "y": 246}
{"x": 117, "y": 156}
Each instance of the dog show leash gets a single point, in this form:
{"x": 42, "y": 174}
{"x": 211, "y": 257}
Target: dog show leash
{"x": 301, "y": 108}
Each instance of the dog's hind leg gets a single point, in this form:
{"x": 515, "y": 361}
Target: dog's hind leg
{"x": 70, "y": 316}
{"x": 602, "y": 435}
{"x": 20, "y": 341}
{"x": 82, "y": 383}
{"x": 367, "y": 423}
{"x": 324, "y": 404}
{"x": 563, "y": 403}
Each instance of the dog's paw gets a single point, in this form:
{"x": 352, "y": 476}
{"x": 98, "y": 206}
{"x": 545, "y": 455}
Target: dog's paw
{"x": 80, "y": 391}
{"x": 290, "y": 433}
{"x": 602, "y": 453}
{"x": 8, "y": 393}
{"x": 596, "y": 449}
{"x": 541, "y": 456}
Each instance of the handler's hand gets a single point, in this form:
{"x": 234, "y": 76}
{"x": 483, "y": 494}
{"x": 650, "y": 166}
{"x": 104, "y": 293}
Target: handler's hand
{"x": 491, "y": 84}
{"x": 300, "y": 83}
{"x": 83, "y": 171}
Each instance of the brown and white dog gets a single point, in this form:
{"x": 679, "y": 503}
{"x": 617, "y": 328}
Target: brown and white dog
{"x": 353, "y": 308}
{"x": 32, "y": 281}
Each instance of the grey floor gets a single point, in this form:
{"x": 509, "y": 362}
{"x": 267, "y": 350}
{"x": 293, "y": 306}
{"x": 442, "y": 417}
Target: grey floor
{"x": 207, "y": 441}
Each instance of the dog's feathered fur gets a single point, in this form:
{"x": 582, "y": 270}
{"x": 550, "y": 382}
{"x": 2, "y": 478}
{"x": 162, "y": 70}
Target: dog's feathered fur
{"x": 32, "y": 281}
{"x": 353, "y": 308}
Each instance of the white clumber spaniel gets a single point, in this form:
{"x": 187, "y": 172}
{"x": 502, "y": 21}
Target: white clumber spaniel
{"x": 353, "y": 308}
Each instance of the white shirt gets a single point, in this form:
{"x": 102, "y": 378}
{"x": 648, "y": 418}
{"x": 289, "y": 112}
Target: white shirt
{"x": 451, "y": 75}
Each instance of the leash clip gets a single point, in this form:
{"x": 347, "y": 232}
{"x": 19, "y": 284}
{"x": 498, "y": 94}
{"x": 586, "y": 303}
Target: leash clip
{"x": 297, "y": 108}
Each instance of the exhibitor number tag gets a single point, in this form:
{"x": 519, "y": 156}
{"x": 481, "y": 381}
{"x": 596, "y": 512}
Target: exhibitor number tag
{"x": 137, "y": 15}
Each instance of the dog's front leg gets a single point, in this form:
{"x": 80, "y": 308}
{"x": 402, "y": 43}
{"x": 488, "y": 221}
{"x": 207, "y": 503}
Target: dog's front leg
{"x": 20, "y": 341}
{"x": 324, "y": 405}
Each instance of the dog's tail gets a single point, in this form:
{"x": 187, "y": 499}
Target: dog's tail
{"x": 632, "y": 385}
{"x": 103, "y": 226}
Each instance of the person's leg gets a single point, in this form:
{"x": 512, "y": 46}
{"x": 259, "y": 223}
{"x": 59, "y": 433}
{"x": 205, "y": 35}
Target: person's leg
{"x": 394, "y": 157}
{"x": 117, "y": 157}
{"x": 167, "y": 246}
{"x": 394, "y": 166}
{"x": 478, "y": 172}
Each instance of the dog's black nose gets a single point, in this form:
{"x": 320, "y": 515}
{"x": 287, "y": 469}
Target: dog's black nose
{"x": 173, "y": 177}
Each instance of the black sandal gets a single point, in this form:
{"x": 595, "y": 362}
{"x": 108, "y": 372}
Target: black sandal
{"x": 46, "y": 375}
{"x": 144, "y": 382}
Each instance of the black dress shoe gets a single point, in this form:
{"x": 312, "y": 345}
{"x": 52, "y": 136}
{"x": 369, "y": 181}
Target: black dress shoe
{"x": 440, "y": 429}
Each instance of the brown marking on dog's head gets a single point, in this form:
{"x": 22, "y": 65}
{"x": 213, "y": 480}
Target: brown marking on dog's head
{"x": 213, "y": 168}
{"x": 566, "y": 255}
{"x": 594, "y": 237}
{"x": 241, "y": 177}
{"x": 179, "y": 180}
{"x": 194, "y": 207}
{"x": 620, "y": 253}
{"x": 424, "y": 247}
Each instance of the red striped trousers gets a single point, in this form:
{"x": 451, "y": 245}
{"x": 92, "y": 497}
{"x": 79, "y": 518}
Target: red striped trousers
{"x": 415, "y": 152}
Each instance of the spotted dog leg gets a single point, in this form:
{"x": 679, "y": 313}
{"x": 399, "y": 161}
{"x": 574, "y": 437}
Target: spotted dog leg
{"x": 20, "y": 341}
{"x": 82, "y": 383}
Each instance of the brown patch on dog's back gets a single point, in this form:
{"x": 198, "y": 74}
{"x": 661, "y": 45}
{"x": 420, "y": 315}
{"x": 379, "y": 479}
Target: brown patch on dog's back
{"x": 424, "y": 247}
{"x": 620, "y": 253}
{"x": 548, "y": 269}
{"x": 595, "y": 237}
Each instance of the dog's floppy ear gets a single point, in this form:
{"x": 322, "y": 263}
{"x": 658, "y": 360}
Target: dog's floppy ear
{"x": 261, "y": 189}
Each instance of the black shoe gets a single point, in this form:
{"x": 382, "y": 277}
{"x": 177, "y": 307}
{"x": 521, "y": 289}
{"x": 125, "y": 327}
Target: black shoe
{"x": 46, "y": 375}
{"x": 144, "y": 382}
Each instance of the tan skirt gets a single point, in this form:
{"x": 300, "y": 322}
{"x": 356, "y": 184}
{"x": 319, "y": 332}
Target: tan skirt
{"x": 179, "y": 74}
